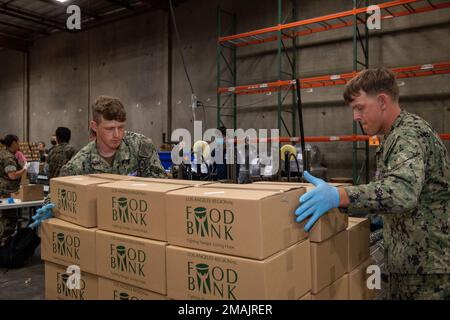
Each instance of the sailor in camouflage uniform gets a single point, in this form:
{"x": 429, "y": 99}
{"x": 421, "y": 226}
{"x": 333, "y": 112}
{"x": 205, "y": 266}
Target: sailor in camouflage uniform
{"x": 61, "y": 153}
{"x": 113, "y": 150}
{"x": 136, "y": 155}
{"x": 10, "y": 174}
{"x": 411, "y": 190}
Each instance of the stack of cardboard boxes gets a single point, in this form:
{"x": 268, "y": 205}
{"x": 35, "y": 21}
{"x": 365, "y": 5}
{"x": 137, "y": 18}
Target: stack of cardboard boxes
{"x": 70, "y": 239}
{"x": 359, "y": 259}
{"x": 113, "y": 229}
{"x": 29, "y": 150}
{"x": 339, "y": 255}
{"x": 140, "y": 238}
{"x": 236, "y": 242}
{"x": 328, "y": 252}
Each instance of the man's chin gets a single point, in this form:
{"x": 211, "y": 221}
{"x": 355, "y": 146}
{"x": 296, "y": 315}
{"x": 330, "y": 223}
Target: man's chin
{"x": 368, "y": 131}
{"x": 114, "y": 145}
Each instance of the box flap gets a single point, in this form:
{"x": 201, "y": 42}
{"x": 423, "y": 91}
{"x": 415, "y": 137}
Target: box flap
{"x": 129, "y": 238}
{"x": 225, "y": 193}
{"x": 80, "y": 180}
{"x": 142, "y": 186}
{"x": 172, "y": 181}
{"x": 219, "y": 256}
{"x": 307, "y": 185}
{"x": 353, "y": 221}
{"x": 109, "y": 176}
{"x": 254, "y": 186}
{"x": 62, "y": 223}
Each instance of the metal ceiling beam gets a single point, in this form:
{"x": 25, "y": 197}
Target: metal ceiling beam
{"x": 30, "y": 17}
{"x": 122, "y": 3}
{"x": 107, "y": 19}
{"x": 91, "y": 14}
{"x": 13, "y": 43}
{"x": 162, "y": 4}
{"x": 24, "y": 28}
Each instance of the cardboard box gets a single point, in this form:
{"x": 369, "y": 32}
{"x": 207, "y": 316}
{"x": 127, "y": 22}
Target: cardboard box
{"x": 56, "y": 284}
{"x": 30, "y": 192}
{"x": 110, "y": 176}
{"x": 191, "y": 183}
{"x": 357, "y": 282}
{"x": 257, "y": 186}
{"x": 306, "y": 297}
{"x": 193, "y": 274}
{"x": 358, "y": 238}
{"x": 75, "y": 199}
{"x": 293, "y": 193}
{"x": 136, "y": 261}
{"x": 114, "y": 290}
{"x": 68, "y": 244}
{"x": 328, "y": 261}
{"x": 329, "y": 224}
{"x": 338, "y": 290}
{"x": 247, "y": 223}
{"x": 134, "y": 207}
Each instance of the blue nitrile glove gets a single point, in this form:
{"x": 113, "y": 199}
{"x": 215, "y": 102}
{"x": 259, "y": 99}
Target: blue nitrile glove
{"x": 43, "y": 213}
{"x": 316, "y": 202}
{"x": 10, "y": 200}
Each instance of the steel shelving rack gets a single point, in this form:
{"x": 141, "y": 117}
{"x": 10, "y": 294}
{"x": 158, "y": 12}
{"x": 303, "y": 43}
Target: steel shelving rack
{"x": 286, "y": 82}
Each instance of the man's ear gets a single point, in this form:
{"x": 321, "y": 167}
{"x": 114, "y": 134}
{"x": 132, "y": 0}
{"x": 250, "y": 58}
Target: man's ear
{"x": 384, "y": 101}
{"x": 94, "y": 126}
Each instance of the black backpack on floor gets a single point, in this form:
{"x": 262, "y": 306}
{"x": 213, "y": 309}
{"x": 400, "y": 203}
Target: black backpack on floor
{"x": 19, "y": 248}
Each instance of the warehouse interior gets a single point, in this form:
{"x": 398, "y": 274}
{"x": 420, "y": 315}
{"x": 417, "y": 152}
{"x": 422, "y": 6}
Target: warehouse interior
{"x": 154, "y": 55}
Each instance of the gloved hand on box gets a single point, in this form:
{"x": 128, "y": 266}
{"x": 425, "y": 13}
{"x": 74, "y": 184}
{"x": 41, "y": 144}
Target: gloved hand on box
{"x": 316, "y": 202}
{"x": 43, "y": 213}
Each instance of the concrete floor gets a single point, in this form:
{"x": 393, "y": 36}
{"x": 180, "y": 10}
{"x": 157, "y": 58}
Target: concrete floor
{"x": 26, "y": 283}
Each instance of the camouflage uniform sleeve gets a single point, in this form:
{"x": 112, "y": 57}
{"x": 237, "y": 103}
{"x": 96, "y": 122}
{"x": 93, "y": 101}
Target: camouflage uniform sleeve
{"x": 398, "y": 190}
{"x": 52, "y": 164}
{"x": 149, "y": 164}
{"x": 10, "y": 165}
{"x": 47, "y": 200}
{"x": 71, "y": 152}
{"x": 72, "y": 168}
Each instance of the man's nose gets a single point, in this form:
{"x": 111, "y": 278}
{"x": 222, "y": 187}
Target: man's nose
{"x": 356, "y": 116}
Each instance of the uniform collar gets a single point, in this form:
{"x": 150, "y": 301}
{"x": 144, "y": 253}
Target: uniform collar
{"x": 122, "y": 154}
{"x": 395, "y": 125}
{"x": 99, "y": 164}
{"x": 397, "y": 121}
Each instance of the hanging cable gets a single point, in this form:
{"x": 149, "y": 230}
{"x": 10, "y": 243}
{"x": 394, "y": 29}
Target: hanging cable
{"x": 179, "y": 46}
{"x": 195, "y": 103}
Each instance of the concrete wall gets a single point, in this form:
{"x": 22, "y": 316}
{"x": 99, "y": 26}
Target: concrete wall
{"x": 68, "y": 71}
{"x": 58, "y": 87}
{"x": 129, "y": 59}
{"x": 12, "y": 95}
